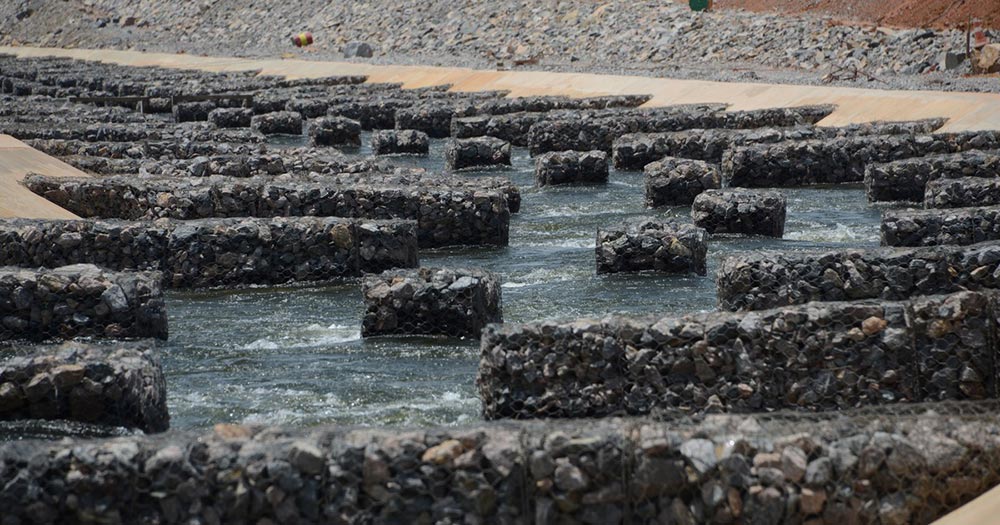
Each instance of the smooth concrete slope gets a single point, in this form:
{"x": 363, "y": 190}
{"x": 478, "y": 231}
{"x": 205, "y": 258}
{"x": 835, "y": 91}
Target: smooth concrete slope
{"x": 966, "y": 111}
{"x": 17, "y": 159}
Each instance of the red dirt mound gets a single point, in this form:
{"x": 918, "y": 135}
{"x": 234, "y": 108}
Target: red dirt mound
{"x": 900, "y": 13}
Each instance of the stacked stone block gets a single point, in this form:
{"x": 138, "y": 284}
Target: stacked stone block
{"x": 571, "y": 167}
{"x": 120, "y": 385}
{"x": 646, "y": 245}
{"x": 80, "y": 301}
{"x": 406, "y": 141}
{"x": 960, "y": 226}
{"x": 278, "y": 122}
{"x": 905, "y": 180}
{"x": 814, "y": 357}
{"x": 335, "y": 131}
{"x": 676, "y": 182}
{"x": 431, "y": 301}
{"x": 476, "y": 152}
{"x": 748, "y": 212}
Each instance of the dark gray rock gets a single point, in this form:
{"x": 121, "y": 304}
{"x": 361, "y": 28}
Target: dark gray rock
{"x": 571, "y": 167}
{"x": 771, "y": 279}
{"x": 406, "y": 141}
{"x": 905, "y": 180}
{"x": 80, "y": 300}
{"x": 335, "y": 131}
{"x": 120, "y": 385}
{"x": 748, "y": 212}
{"x": 431, "y": 301}
{"x": 231, "y": 117}
{"x": 812, "y": 357}
{"x": 960, "y": 226}
{"x": 668, "y": 247}
{"x": 962, "y": 192}
{"x": 358, "y": 50}
{"x": 676, "y": 182}
{"x": 476, "y": 152}
{"x": 278, "y": 122}
{"x": 192, "y": 111}
{"x": 839, "y": 160}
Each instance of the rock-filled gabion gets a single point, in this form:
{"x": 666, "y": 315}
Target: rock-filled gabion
{"x": 309, "y": 108}
{"x": 512, "y": 127}
{"x": 633, "y": 151}
{"x": 120, "y": 385}
{"x": 721, "y": 469}
{"x": 770, "y": 279}
{"x": 905, "y": 179}
{"x": 734, "y": 210}
{"x": 278, "y": 122}
{"x": 231, "y": 117}
{"x": 456, "y": 302}
{"x": 445, "y": 216}
{"x": 335, "y": 131}
{"x": 571, "y": 167}
{"x": 676, "y": 182}
{"x": 963, "y": 192}
{"x": 80, "y": 300}
{"x": 961, "y": 226}
{"x": 647, "y": 245}
{"x": 600, "y": 132}
{"x": 476, "y": 152}
{"x": 816, "y": 357}
{"x": 397, "y": 141}
{"x": 192, "y": 111}
{"x": 433, "y": 117}
{"x": 838, "y": 160}
{"x": 216, "y": 252}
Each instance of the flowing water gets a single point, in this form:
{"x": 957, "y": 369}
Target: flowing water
{"x": 295, "y": 355}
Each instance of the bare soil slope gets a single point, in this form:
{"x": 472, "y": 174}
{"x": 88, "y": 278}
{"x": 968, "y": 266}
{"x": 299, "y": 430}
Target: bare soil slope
{"x": 899, "y": 13}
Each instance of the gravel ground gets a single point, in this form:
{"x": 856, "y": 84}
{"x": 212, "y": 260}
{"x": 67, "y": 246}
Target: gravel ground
{"x": 614, "y": 36}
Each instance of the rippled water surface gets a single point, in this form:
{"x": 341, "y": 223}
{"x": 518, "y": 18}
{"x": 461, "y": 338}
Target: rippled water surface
{"x": 295, "y": 355}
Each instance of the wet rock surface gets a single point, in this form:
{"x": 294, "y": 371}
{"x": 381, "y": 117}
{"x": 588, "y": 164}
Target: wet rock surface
{"x": 677, "y": 182}
{"x": 335, "y": 131}
{"x": 838, "y": 160}
{"x": 818, "y": 356}
{"x": 770, "y": 279}
{"x": 598, "y": 131}
{"x": 748, "y": 212}
{"x": 476, "y": 152}
{"x": 645, "y": 245}
{"x": 445, "y": 216}
{"x": 906, "y": 179}
{"x": 120, "y": 385}
{"x": 571, "y": 167}
{"x": 406, "y": 141}
{"x": 958, "y": 226}
{"x": 634, "y": 151}
{"x": 216, "y": 252}
{"x": 80, "y": 300}
{"x": 635, "y": 469}
{"x": 963, "y": 192}
{"x": 456, "y": 302}
{"x": 278, "y": 122}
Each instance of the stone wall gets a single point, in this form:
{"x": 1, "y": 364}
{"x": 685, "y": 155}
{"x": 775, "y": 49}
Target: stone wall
{"x": 634, "y": 151}
{"x": 838, "y": 160}
{"x": 813, "y": 357}
{"x": 216, "y": 252}
{"x": 905, "y": 179}
{"x": 910, "y": 468}
{"x": 80, "y": 301}
{"x": 119, "y": 385}
{"x": 445, "y": 216}
{"x": 600, "y": 133}
{"x": 963, "y": 191}
{"x": 770, "y": 279}
{"x": 961, "y": 226}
